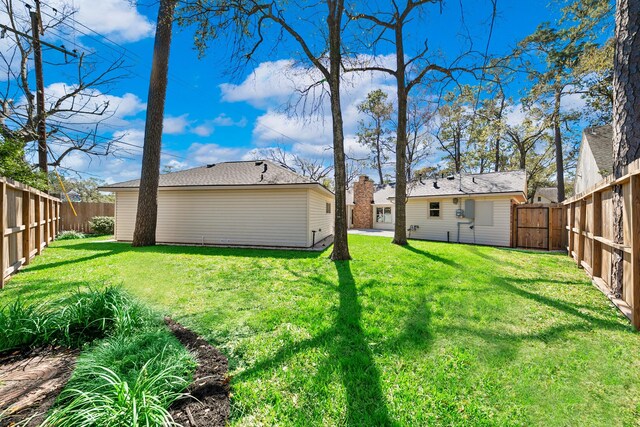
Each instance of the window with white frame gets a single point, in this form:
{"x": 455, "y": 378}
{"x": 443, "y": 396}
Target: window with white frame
{"x": 383, "y": 215}
{"x": 434, "y": 209}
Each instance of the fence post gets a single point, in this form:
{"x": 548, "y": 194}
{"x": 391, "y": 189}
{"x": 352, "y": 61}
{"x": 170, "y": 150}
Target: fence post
{"x": 26, "y": 220}
{"x": 634, "y": 186}
{"x": 549, "y": 227}
{"x": 571, "y": 222}
{"x": 581, "y": 231}
{"x": 46, "y": 220}
{"x": 38, "y": 224}
{"x": 596, "y": 245}
{"x": 3, "y": 225}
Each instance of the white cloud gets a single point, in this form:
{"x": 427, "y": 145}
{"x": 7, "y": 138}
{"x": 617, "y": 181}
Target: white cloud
{"x": 203, "y": 130}
{"x": 116, "y": 110}
{"x": 120, "y": 20}
{"x": 175, "y": 125}
{"x": 200, "y": 154}
{"x": 223, "y": 120}
{"x": 306, "y": 125}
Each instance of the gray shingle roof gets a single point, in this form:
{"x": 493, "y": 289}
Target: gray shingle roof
{"x": 600, "y": 140}
{"x": 226, "y": 174}
{"x": 486, "y": 183}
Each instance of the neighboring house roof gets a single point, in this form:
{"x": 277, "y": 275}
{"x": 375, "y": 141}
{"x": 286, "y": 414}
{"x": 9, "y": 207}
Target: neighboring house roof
{"x": 600, "y": 141}
{"x": 550, "y": 193}
{"x": 455, "y": 185}
{"x": 255, "y": 172}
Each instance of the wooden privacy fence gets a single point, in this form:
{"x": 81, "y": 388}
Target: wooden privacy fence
{"x": 538, "y": 226}
{"x": 85, "y": 211}
{"x": 29, "y": 221}
{"x": 590, "y": 234}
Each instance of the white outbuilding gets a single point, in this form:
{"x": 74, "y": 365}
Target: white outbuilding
{"x": 244, "y": 203}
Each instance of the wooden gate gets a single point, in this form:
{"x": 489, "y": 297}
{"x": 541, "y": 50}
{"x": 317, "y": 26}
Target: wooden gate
{"x": 538, "y": 226}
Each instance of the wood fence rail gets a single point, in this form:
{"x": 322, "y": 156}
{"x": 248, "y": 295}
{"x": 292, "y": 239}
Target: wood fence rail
{"x": 85, "y": 211}
{"x": 29, "y": 220}
{"x": 591, "y": 239}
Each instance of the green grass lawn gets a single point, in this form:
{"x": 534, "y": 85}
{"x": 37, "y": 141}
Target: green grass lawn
{"x": 429, "y": 334}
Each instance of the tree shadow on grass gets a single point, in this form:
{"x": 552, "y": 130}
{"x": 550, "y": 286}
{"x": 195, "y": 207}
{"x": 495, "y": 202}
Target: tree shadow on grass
{"x": 432, "y": 256}
{"x": 360, "y": 376}
{"x": 562, "y": 306}
{"x": 103, "y": 249}
{"x": 349, "y": 353}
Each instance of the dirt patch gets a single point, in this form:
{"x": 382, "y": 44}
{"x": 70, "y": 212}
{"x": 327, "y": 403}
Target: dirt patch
{"x": 31, "y": 381}
{"x": 209, "y": 405}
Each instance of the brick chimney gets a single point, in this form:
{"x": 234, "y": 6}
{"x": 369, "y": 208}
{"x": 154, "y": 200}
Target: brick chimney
{"x": 363, "y": 199}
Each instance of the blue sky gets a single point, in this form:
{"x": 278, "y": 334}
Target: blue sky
{"x": 212, "y": 116}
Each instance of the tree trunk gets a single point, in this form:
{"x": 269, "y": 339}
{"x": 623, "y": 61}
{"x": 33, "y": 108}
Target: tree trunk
{"x": 379, "y": 157}
{"x": 147, "y": 214}
{"x": 340, "y": 242}
{"x": 497, "y": 155}
{"x": 456, "y": 147}
{"x": 626, "y": 118}
{"x": 400, "y": 232}
{"x": 557, "y": 137}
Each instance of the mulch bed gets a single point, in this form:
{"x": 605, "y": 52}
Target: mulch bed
{"x": 30, "y": 382}
{"x": 209, "y": 391}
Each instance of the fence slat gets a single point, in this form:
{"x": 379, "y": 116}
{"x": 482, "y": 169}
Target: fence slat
{"x": 596, "y": 245}
{"x": 86, "y": 211}
{"x": 26, "y": 221}
{"x": 3, "y": 225}
{"x": 17, "y": 222}
{"x": 635, "y": 249}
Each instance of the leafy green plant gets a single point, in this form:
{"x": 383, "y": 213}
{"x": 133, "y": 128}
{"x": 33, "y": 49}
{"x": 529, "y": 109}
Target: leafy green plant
{"x": 24, "y": 325}
{"x": 109, "y": 399}
{"x": 102, "y": 224}
{"x": 70, "y": 235}
{"x": 71, "y": 322}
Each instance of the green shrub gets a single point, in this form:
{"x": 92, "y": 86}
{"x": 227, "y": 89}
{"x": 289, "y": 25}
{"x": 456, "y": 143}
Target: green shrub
{"x": 72, "y": 321}
{"x": 70, "y": 235}
{"x": 128, "y": 377}
{"x": 102, "y": 224}
{"x": 145, "y": 374}
{"x": 24, "y": 325}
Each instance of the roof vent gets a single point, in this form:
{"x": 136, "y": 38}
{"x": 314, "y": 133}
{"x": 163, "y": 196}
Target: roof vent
{"x": 265, "y": 168}
{"x": 435, "y": 184}
{"x": 473, "y": 179}
{"x": 258, "y": 163}
{"x": 211, "y": 165}
{"x": 451, "y": 177}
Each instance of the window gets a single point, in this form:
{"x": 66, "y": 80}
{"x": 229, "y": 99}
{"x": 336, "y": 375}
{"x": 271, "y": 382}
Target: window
{"x": 328, "y": 208}
{"x": 434, "y": 209}
{"x": 484, "y": 213}
{"x": 383, "y": 215}
{"x": 539, "y": 198}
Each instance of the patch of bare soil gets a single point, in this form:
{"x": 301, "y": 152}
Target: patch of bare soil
{"x": 209, "y": 404}
{"x": 30, "y": 383}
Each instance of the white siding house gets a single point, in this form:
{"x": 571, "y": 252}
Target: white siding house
{"x": 595, "y": 160}
{"x": 467, "y": 209}
{"x": 233, "y": 203}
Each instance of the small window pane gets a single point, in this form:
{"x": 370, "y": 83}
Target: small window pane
{"x": 383, "y": 215}
{"x": 434, "y": 209}
{"x": 387, "y": 215}
{"x": 328, "y": 208}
